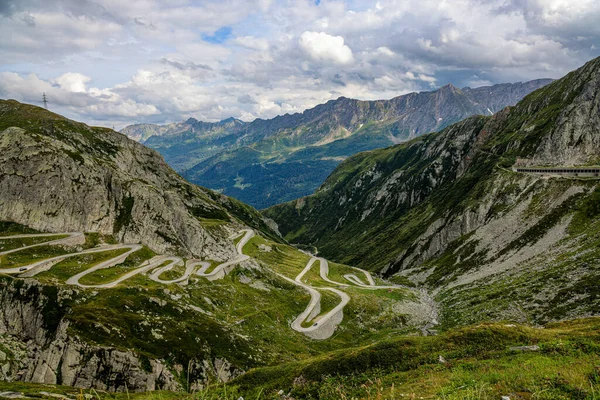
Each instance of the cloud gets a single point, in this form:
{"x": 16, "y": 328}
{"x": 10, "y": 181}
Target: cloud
{"x": 28, "y": 19}
{"x": 251, "y": 42}
{"x": 185, "y": 66}
{"x": 323, "y": 47}
{"x": 73, "y": 82}
{"x": 141, "y": 22}
{"x": 117, "y": 62}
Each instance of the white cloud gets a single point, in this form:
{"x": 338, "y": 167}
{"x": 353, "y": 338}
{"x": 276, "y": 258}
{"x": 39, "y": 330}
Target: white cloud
{"x": 73, "y": 82}
{"x": 251, "y": 42}
{"x": 323, "y": 47}
{"x": 116, "y": 62}
{"x": 385, "y": 51}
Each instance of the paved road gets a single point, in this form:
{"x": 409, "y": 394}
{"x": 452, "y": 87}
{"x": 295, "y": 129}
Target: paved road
{"x": 223, "y": 269}
{"x": 323, "y": 326}
{"x": 352, "y": 278}
{"x": 74, "y": 238}
{"x": 44, "y": 265}
{"x": 370, "y": 281}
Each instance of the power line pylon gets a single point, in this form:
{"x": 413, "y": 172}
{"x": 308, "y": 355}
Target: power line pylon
{"x": 45, "y": 100}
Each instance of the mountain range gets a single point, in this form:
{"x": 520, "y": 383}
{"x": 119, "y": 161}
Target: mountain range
{"x": 423, "y": 269}
{"x": 118, "y": 275}
{"x": 266, "y": 162}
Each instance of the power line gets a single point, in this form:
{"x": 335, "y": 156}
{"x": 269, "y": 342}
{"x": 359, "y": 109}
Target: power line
{"x": 45, "y": 100}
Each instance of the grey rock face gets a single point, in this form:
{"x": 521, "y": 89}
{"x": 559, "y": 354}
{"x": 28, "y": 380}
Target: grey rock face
{"x": 575, "y": 137}
{"x": 57, "y": 175}
{"x": 47, "y": 353}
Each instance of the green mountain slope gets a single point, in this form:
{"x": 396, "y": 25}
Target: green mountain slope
{"x": 486, "y": 361}
{"x": 184, "y": 144}
{"x": 266, "y": 162}
{"x": 445, "y": 211}
{"x": 116, "y": 274}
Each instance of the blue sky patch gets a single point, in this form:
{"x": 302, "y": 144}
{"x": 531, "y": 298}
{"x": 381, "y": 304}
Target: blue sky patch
{"x": 220, "y": 35}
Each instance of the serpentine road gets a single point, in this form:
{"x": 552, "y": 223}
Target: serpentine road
{"x": 321, "y": 326}
{"x": 324, "y": 326}
{"x": 75, "y": 238}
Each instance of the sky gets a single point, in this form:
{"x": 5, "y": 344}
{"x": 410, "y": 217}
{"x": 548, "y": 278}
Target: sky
{"x": 119, "y": 62}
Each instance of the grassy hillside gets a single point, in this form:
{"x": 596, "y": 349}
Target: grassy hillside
{"x": 243, "y": 318}
{"x": 446, "y": 211}
{"x": 484, "y": 361}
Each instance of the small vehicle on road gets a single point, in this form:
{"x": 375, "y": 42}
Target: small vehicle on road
{"x": 22, "y": 269}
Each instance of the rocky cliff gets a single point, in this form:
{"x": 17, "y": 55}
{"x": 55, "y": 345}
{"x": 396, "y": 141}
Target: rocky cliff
{"x": 38, "y": 346}
{"x": 58, "y": 175}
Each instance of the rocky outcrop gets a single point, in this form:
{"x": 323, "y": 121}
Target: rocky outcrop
{"x": 575, "y": 137}
{"x": 57, "y": 175}
{"x": 42, "y": 350}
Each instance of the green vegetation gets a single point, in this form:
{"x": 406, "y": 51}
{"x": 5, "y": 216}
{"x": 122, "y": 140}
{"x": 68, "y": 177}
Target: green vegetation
{"x": 243, "y": 318}
{"x": 478, "y": 363}
{"x": 27, "y": 256}
{"x": 12, "y": 228}
{"x": 107, "y": 275}
{"x": 15, "y": 243}
{"x": 124, "y": 217}
{"x": 291, "y": 156}
{"x": 446, "y": 212}
{"x": 175, "y": 272}
{"x": 591, "y": 206}
{"x": 62, "y": 271}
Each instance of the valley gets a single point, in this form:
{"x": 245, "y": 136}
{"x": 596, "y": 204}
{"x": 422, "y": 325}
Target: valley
{"x": 447, "y": 212}
{"x": 266, "y": 162}
{"x": 89, "y": 280}
{"x": 457, "y": 264}
{"x": 155, "y": 267}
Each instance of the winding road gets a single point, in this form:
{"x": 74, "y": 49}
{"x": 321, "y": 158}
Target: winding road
{"x": 77, "y": 238}
{"x": 324, "y": 326}
{"x": 321, "y": 326}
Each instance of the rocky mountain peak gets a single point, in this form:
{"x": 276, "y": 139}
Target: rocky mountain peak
{"x": 99, "y": 180}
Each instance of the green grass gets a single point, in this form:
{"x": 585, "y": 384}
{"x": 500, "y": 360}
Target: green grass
{"x": 10, "y": 244}
{"x": 33, "y": 254}
{"x": 175, "y": 272}
{"x": 107, "y": 275}
{"x": 245, "y": 324}
{"x": 213, "y": 265}
{"x": 62, "y": 271}
{"x": 282, "y": 258}
{"x": 479, "y": 365}
{"x": 12, "y": 228}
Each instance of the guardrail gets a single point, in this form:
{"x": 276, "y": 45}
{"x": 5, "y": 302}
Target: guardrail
{"x": 571, "y": 171}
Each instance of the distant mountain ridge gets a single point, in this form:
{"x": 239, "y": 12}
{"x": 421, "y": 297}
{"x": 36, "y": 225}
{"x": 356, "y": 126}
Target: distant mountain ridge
{"x": 266, "y": 162}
